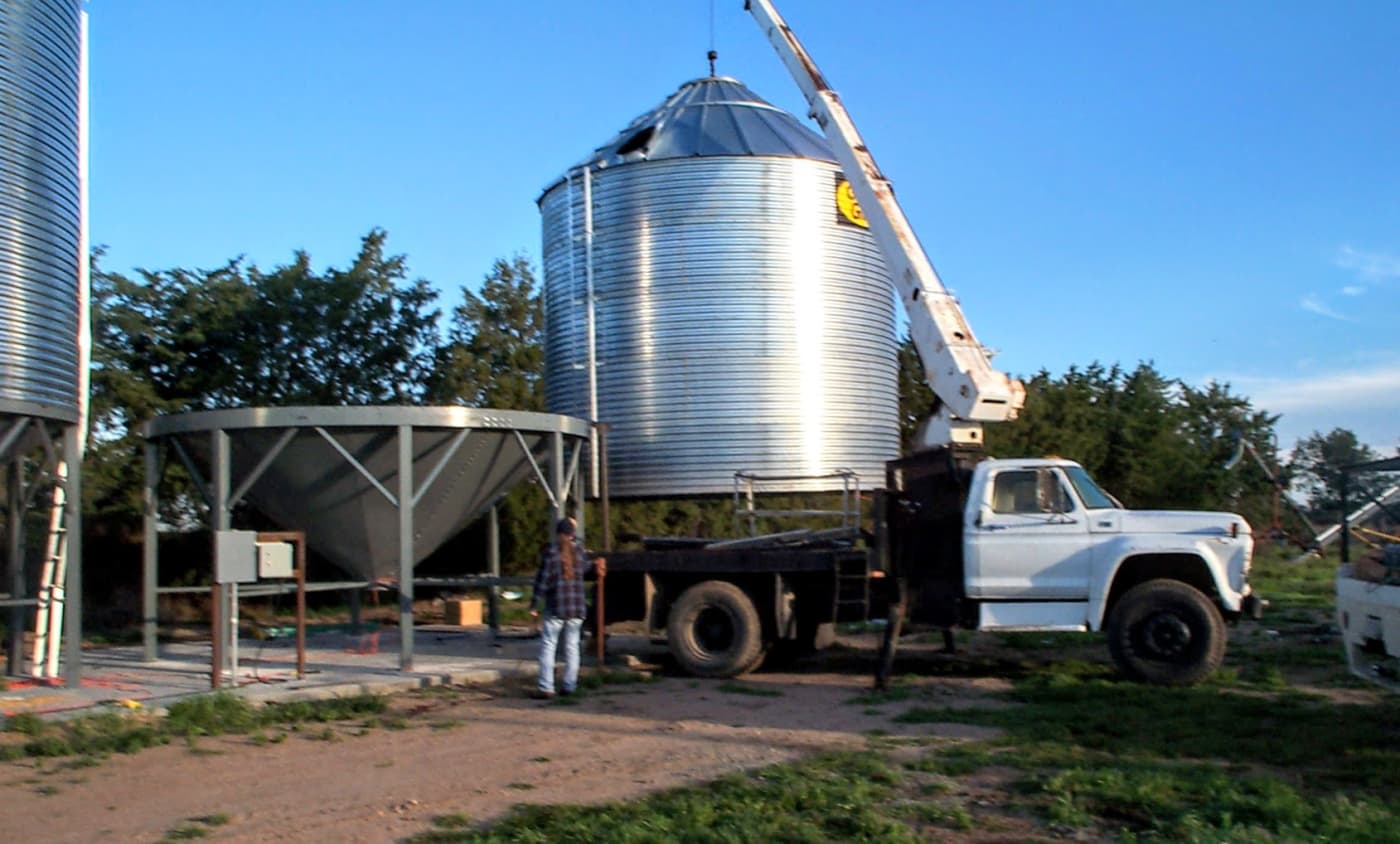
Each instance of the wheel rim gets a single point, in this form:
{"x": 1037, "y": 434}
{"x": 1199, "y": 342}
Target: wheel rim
{"x": 714, "y": 630}
{"x": 1166, "y": 636}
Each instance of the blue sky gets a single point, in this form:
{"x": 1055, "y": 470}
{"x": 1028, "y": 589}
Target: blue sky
{"x": 1211, "y": 187}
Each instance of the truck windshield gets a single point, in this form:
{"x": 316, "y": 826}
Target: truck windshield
{"x": 1094, "y": 498}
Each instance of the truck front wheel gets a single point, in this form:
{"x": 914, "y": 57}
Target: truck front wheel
{"x": 714, "y": 630}
{"x": 1166, "y": 633}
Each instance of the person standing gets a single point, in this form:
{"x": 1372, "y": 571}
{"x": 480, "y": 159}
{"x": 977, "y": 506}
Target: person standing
{"x": 559, "y": 592}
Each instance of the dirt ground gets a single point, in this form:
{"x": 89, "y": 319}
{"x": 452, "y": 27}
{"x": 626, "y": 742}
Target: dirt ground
{"x": 471, "y": 751}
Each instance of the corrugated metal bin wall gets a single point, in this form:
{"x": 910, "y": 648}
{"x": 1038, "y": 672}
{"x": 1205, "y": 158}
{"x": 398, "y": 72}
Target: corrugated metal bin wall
{"x": 740, "y": 324}
{"x": 39, "y": 208}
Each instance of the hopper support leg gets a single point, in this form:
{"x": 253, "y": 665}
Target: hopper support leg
{"x": 150, "y": 552}
{"x": 405, "y": 505}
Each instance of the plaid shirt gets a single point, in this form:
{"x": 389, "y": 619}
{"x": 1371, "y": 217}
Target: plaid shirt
{"x": 562, "y": 597}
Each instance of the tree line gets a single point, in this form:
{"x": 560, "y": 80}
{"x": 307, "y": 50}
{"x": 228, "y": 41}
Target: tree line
{"x": 177, "y": 340}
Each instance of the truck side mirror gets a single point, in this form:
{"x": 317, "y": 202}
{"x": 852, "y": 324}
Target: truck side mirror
{"x": 984, "y": 515}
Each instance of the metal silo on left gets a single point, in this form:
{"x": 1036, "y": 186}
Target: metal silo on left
{"x": 43, "y": 317}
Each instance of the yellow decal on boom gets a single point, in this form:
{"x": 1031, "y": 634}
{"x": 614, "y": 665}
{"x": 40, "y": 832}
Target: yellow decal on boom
{"x": 848, "y": 206}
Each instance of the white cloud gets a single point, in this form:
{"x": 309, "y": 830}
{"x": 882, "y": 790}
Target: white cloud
{"x": 1365, "y": 401}
{"x": 1353, "y": 290}
{"x": 1369, "y": 266}
{"x": 1371, "y": 388}
{"x": 1314, "y": 303}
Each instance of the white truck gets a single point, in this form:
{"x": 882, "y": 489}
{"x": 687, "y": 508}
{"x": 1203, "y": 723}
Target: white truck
{"x": 1368, "y": 614}
{"x": 958, "y": 540}
{"x": 1368, "y": 589}
{"x": 1035, "y": 544}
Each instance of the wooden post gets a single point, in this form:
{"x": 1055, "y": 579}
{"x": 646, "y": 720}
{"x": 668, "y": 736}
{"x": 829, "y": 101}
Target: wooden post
{"x": 216, "y": 624}
{"x": 605, "y": 500}
{"x": 598, "y": 611}
{"x": 885, "y": 667}
{"x": 301, "y": 605}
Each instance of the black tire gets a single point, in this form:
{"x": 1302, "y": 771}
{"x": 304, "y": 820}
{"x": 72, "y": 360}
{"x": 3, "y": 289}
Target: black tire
{"x": 1166, "y": 633}
{"x": 714, "y": 630}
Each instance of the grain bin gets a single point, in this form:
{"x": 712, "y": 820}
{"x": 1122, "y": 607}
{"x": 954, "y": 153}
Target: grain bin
{"x": 40, "y": 253}
{"x": 708, "y": 296}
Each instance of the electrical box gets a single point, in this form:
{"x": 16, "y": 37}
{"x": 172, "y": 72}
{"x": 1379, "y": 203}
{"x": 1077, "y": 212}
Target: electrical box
{"x": 275, "y": 559}
{"x": 235, "y": 556}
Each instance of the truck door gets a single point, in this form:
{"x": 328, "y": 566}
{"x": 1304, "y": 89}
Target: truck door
{"x": 1028, "y": 540}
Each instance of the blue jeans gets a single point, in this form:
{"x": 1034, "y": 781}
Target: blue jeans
{"x": 549, "y": 642}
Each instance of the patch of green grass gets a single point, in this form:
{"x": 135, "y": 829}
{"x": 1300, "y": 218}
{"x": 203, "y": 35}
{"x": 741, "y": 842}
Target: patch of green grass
{"x": 456, "y": 820}
{"x": 211, "y": 715}
{"x": 1043, "y": 641}
{"x": 733, "y": 688}
{"x": 1207, "y": 763}
{"x": 24, "y": 722}
{"x": 956, "y": 760}
{"x": 1266, "y": 676}
{"x": 324, "y": 711}
{"x": 1354, "y": 745}
{"x": 1291, "y": 587}
{"x": 1192, "y": 802}
{"x": 938, "y": 813}
{"x": 197, "y": 827}
{"x": 48, "y": 746}
{"x": 838, "y": 797}
{"x": 96, "y": 736}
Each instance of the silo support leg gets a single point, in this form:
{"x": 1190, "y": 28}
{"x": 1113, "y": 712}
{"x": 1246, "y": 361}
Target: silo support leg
{"x": 14, "y": 501}
{"x": 73, "y": 582}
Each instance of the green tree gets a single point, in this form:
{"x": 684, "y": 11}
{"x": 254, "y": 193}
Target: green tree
{"x": 178, "y": 340}
{"x": 1317, "y": 464}
{"x": 362, "y": 335}
{"x": 494, "y": 354}
{"x": 916, "y": 400}
{"x": 1151, "y": 440}
{"x": 494, "y": 357}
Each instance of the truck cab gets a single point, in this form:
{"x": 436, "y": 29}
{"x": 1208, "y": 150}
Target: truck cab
{"x": 1036, "y": 544}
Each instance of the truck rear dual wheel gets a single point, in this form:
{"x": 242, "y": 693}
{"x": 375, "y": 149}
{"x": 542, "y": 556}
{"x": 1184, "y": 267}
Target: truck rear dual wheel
{"x": 1167, "y": 633}
{"x": 714, "y": 631}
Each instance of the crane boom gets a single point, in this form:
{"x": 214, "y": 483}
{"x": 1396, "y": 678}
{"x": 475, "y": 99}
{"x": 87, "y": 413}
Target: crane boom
{"x": 956, "y": 367}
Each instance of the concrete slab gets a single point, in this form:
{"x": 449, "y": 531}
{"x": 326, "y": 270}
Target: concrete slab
{"x": 338, "y": 664}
